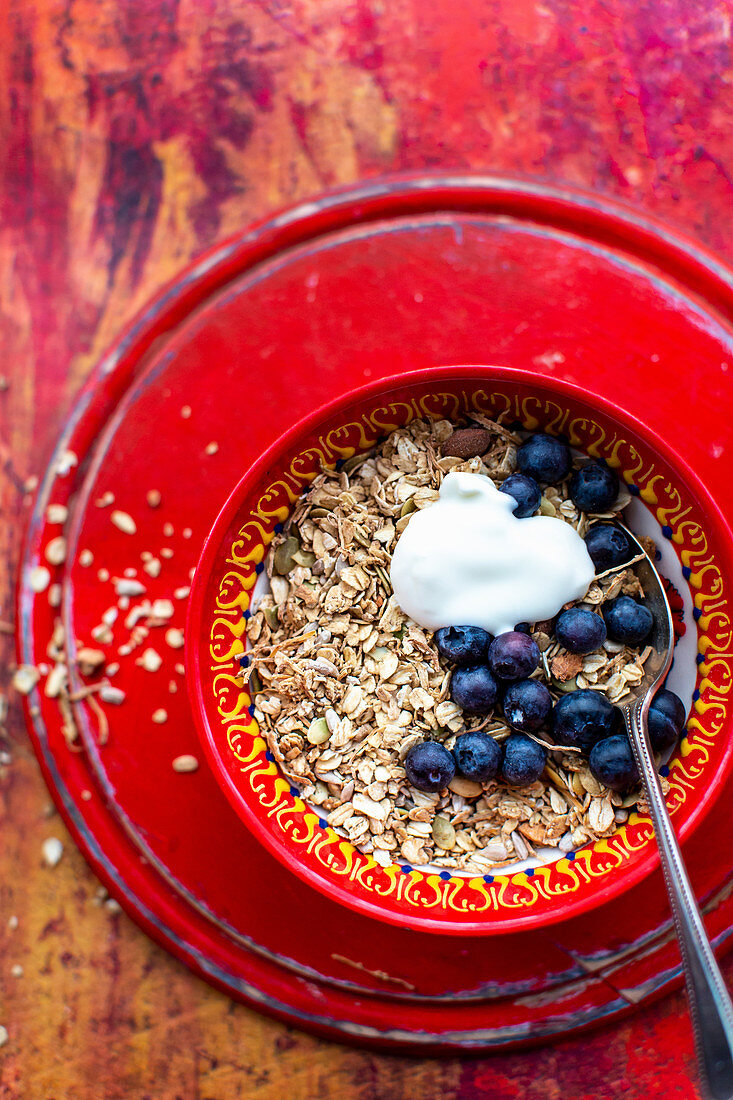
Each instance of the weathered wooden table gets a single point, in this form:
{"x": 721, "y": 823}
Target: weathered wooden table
{"x": 136, "y": 135}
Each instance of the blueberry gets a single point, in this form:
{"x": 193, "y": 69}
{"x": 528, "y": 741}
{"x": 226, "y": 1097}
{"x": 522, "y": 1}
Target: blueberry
{"x": 525, "y": 491}
{"x": 593, "y": 488}
{"x": 608, "y": 546}
{"x": 612, "y": 763}
{"x": 671, "y": 705}
{"x": 581, "y": 718}
{"x": 666, "y": 720}
{"x": 522, "y": 628}
{"x": 544, "y": 458}
{"x": 477, "y": 756}
{"x": 627, "y": 621}
{"x": 580, "y": 630}
{"x": 474, "y": 689}
{"x": 463, "y": 645}
{"x": 429, "y": 766}
{"x": 526, "y": 705}
{"x": 523, "y": 761}
{"x": 513, "y": 656}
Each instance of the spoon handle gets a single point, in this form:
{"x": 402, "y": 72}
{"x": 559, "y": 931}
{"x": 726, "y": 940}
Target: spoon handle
{"x": 710, "y": 1005}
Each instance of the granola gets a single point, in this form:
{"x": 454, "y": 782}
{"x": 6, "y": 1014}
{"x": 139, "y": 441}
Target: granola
{"x": 344, "y": 683}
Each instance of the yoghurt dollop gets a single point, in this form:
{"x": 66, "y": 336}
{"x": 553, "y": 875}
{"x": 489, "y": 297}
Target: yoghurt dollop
{"x": 466, "y": 560}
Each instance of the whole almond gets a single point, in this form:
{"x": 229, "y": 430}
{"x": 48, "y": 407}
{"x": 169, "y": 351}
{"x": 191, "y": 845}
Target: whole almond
{"x": 467, "y": 443}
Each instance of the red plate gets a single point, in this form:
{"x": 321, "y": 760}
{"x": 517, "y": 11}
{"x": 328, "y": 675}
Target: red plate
{"x": 380, "y": 279}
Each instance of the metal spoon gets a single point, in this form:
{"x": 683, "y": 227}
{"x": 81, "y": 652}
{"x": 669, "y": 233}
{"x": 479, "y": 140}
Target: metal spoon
{"x": 710, "y": 1005}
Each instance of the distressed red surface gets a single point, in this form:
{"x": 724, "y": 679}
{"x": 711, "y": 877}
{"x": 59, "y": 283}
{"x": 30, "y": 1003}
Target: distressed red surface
{"x": 136, "y": 135}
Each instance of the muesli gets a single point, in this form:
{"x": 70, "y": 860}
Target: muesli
{"x": 346, "y": 686}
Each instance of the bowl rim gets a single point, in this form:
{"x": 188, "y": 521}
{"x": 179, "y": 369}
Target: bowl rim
{"x": 270, "y": 458}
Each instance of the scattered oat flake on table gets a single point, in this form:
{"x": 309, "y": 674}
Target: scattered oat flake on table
{"x": 159, "y": 716}
{"x": 187, "y": 532}
{"x": 54, "y": 595}
{"x": 152, "y": 567}
{"x": 25, "y": 679}
{"x": 105, "y": 500}
{"x": 52, "y": 850}
{"x": 185, "y": 763}
{"x": 123, "y": 521}
{"x": 168, "y": 530}
{"x": 162, "y": 609}
{"x": 150, "y": 660}
{"x": 153, "y": 498}
{"x": 66, "y": 463}
{"x": 186, "y": 412}
{"x": 57, "y": 513}
{"x": 166, "y": 552}
{"x": 212, "y": 448}
{"x": 124, "y": 586}
{"x": 110, "y": 694}
{"x": 175, "y": 638}
{"x": 39, "y": 578}
{"x": 55, "y": 551}
{"x": 183, "y": 592}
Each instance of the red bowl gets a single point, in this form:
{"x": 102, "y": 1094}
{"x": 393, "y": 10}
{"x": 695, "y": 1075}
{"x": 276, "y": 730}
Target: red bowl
{"x": 215, "y": 644}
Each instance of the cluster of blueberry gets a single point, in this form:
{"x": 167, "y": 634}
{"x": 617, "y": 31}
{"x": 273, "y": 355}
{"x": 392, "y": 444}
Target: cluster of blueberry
{"x": 488, "y": 670}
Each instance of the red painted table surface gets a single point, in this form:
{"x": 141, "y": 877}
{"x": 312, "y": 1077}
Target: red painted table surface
{"x": 138, "y": 135}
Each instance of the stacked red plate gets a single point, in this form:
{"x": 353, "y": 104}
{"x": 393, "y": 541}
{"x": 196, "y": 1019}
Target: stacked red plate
{"x": 377, "y": 281}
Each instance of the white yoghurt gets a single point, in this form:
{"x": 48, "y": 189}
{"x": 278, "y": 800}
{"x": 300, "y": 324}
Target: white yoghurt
{"x": 467, "y": 561}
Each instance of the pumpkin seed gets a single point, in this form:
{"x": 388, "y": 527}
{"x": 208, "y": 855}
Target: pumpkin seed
{"x": 444, "y": 834}
{"x": 547, "y": 508}
{"x": 304, "y": 557}
{"x": 283, "y": 557}
{"x": 318, "y": 731}
{"x": 271, "y": 617}
{"x": 407, "y": 507}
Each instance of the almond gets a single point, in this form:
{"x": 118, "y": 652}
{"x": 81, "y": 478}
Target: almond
{"x": 467, "y": 443}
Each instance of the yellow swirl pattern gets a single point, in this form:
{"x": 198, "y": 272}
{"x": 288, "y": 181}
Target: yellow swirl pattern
{"x": 407, "y": 889}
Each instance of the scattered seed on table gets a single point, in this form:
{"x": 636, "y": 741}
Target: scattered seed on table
{"x": 159, "y": 716}
{"x": 12, "y": 923}
{"x": 112, "y": 669}
{"x": 39, "y": 578}
{"x": 182, "y": 593}
{"x": 52, "y": 850}
{"x": 102, "y": 633}
{"x": 186, "y": 412}
{"x": 86, "y": 796}
{"x": 57, "y": 513}
{"x": 103, "y": 575}
{"x": 152, "y": 566}
{"x": 55, "y": 551}
{"x": 3, "y": 1035}
{"x": 54, "y": 595}
{"x": 185, "y": 763}
{"x": 162, "y": 609}
{"x": 126, "y": 586}
{"x": 16, "y": 970}
{"x": 187, "y": 532}
{"x": 105, "y": 500}
{"x": 89, "y": 660}
{"x": 166, "y": 552}
{"x": 153, "y": 498}
{"x": 130, "y": 572}
{"x": 110, "y": 694}
{"x": 172, "y": 687}
{"x": 112, "y": 906}
{"x": 168, "y": 530}
{"x": 66, "y": 463}
{"x": 150, "y": 660}
{"x": 110, "y": 616}
{"x": 174, "y": 637}
{"x": 56, "y": 681}
{"x": 212, "y": 448}
{"x": 180, "y": 669}
{"x": 86, "y": 557}
{"x": 124, "y": 522}
{"x": 25, "y": 679}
